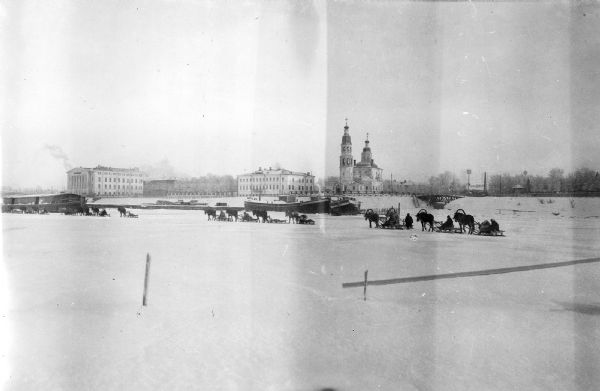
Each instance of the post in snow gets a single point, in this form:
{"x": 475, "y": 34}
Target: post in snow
{"x": 144, "y": 300}
{"x": 365, "y": 290}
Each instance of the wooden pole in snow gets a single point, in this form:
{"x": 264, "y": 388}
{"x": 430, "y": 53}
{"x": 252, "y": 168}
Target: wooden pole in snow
{"x": 365, "y": 290}
{"x": 144, "y": 300}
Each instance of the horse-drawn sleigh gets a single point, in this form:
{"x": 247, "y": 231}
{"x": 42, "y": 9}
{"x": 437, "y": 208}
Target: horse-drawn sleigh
{"x": 256, "y": 216}
{"x": 467, "y": 223}
{"x": 391, "y": 219}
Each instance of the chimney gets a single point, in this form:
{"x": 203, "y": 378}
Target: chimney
{"x": 485, "y": 182}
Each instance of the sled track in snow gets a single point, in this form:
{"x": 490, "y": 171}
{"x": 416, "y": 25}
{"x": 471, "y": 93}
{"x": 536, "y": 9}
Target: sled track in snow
{"x": 474, "y": 273}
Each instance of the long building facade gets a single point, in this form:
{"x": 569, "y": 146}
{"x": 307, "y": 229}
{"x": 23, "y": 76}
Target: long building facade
{"x": 222, "y": 186}
{"x": 276, "y": 182}
{"x": 105, "y": 181}
{"x": 362, "y": 177}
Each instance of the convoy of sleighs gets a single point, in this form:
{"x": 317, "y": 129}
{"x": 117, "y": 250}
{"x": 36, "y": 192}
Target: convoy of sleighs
{"x": 258, "y": 216}
{"x": 73, "y": 204}
{"x": 465, "y": 222}
{"x": 66, "y": 203}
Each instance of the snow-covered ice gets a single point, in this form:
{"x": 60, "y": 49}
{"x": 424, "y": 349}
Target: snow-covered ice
{"x": 246, "y": 306}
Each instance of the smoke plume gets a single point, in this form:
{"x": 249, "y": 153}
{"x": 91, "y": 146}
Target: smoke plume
{"x": 57, "y": 153}
{"x": 162, "y": 170}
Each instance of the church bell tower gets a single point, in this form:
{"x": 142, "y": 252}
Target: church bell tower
{"x": 346, "y": 160}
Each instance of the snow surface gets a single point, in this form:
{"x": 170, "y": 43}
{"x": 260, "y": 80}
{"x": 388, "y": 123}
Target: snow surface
{"x": 247, "y": 306}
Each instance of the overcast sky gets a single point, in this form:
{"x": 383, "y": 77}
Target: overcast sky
{"x": 224, "y": 87}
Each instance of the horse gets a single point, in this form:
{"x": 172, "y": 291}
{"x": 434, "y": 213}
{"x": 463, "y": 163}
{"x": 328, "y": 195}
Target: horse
{"x": 211, "y": 213}
{"x": 261, "y": 214}
{"x": 292, "y": 216}
{"x": 232, "y": 214}
{"x": 462, "y": 218}
{"x": 425, "y": 218}
{"x": 372, "y": 217}
{"x": 122, "y": 211}
{"x": 95, "y": 211}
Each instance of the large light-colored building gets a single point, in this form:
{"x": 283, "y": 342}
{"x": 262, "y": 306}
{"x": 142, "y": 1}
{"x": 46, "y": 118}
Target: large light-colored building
{"x": 105, "y": 181}
{"x": 362, "y": 177}
{"x": 276, "y": 182}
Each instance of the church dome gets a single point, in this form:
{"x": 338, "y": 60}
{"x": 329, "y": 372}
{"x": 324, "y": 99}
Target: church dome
{"x": 346, "y": 139}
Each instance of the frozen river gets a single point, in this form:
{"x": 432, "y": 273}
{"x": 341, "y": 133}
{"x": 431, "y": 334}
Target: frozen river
{"x": 246, "y": 306}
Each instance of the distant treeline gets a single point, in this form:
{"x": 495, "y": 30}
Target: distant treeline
{"x": 579, "y": 182}
{"x": 207, "y": 184}
{"x": 582, "y": 180}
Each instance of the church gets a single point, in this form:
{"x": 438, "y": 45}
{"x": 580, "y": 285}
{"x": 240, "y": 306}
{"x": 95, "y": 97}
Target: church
{"x": 362, "y": 177}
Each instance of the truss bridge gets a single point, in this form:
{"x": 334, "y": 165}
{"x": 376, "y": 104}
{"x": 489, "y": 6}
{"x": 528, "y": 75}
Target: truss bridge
{"x": 438, "y": 200}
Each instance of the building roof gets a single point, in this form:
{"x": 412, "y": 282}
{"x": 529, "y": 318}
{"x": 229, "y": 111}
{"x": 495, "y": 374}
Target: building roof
{"x": 103, "y": 168}
{"x": 277, "y": 171}
{"x": 38, "y": 195}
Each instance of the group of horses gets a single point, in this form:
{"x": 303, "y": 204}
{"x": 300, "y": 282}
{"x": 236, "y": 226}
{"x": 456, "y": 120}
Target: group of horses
{"x": 258, "y": 216}
{"x": 86, "y": 211}
{"x": 466, "y": 222}
{"x": 95, "y": 211}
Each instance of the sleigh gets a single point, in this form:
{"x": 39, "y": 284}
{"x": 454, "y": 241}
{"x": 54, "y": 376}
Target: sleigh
{"x": 391, "y": 220}
{"x": 277, "y": 221}
{"x": 384, "y": 223}
{"x": 304, "y": 220}
{"x": 487, "y": 232}
{"x": 492, "y": 233}
{"x": 438, "y": 227}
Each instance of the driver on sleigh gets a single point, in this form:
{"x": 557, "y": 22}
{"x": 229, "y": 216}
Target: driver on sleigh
{"x": 448, "y": 225}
